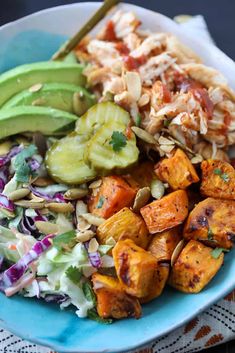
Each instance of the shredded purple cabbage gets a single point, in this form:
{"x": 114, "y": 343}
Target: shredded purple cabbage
{"x": 94, "y": 257}
{"x": 3, "y": 177}
{"x": 1, "y": 260}
{"x": 27, "y": 224}
{"x": 6, "y": 203}
{"x": 12, "y": 153}
{"x": 16, "y": 271}
{"x": 58, "y": 197}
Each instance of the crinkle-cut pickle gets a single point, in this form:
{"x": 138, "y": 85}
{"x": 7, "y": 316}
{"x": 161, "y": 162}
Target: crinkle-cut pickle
{"x": 65, "y": 160}
{"x": 101, "y": 155}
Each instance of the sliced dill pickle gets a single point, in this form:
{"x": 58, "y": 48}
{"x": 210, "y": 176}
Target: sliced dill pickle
{"x": 100, "y": 114}
{"x": 65, "y": 160}
{"x": 110, "y": 149}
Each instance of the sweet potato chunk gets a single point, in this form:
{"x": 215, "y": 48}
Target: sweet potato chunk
{"x": 112, "y": 301}
{"x": 163, "y": 244}
{"x": 213, "y": 222}
{"x": 159, "y": 282}
{"x": 177, "y": 171}
{"x": 113, "y": 194}
{"x": 218, "y": 179}
{"x": 143, "y": 174}
{"x": 124, "y": 225}
{"x": 135, "y": 267}
{"x": 167, "y": 212}
{"x": 194, "y": 268}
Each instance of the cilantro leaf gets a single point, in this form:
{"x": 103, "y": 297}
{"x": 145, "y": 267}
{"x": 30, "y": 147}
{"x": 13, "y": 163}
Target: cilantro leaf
{"x": 100, "y": 202}
{"x": 88, "y": 292}
{"x": 223, "y": 176}
{"x": 215, "y": 253}
{"x": 118, "y": 141}
{"x": 22, "y": 170}
{"x": 210, "y": 234}
{"x": 92, "y": 314}
{"x": 166, "y": 122}
{"x": 74, "y": 274}
{"x": 65, "y": 240}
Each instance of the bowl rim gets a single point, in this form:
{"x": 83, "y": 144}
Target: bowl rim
{"x": 220, "y": 294}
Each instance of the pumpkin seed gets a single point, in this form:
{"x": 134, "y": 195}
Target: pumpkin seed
{"x": 76, "y": 193}
{"x": 7, "y": 213}
{"x": 165, "y": 141}
{"x": 79, "y": 103}
{"x": 82, "y": 224}
{"x": 157, "y": 189}
{"x": 179, "y": 247}
{"x": 30, "y": 204}
{"x": 46, "y": 227}
{"x": 81, "y": 208}
{"x": 43, "y": 181}
{"x": 60, "y": 207}
{"x": 35, "y": 88}
{"x": 5, "y": 147}
{"x": 85, "y": 236}
{"x": 34, "y": 198}
{"x": 144, "y": 135}
{"x": 93, "y": 245}
{"x": 95, "y": 184}
{"x": 18, "y": 194}
{"x": 197, "y": 159}
{"x": 93, "y": 219}
{"x": 167, "y": 148}
{"x": 141, "y": 198}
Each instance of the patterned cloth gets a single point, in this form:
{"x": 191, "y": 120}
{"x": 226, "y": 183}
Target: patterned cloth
{"x": 214, "y": 326}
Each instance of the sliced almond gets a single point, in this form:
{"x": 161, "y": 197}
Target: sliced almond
{"x": 165, "y": 141}
{"x": 82, "y": 224}
{"x": 35, "y": 88}
{"x": 46, "y": 227}
{"x": 167, "y": 148}
{"x": 85, "y": 236}
{"x": 18, "y": 194}
{"x": 144, "y": 100}
{"x": 76, "y": 193}
{"x": 95, "y": 184}
{"x": 197, "y": 159}
{"x": 30, "y": 204}
{"x": 133, "y": 83}
{"x": 144, "y": 135}
{"x": 93, "y": 219}
{"x": 141, "y": 198}
{"x": 157, "y": 189}
{"x": 81, "y": 208}
{"x": 179, "y": 247}
{"x": 93, "y": 245}
{"x": 60, "y": 207}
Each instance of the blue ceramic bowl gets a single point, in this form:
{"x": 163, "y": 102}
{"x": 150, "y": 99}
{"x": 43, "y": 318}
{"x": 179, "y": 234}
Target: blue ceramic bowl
{"x": 35, "y": 38}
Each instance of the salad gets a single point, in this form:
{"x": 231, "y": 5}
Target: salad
{"x": 116, "y": 176}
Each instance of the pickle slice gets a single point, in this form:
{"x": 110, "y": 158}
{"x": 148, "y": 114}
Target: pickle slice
{"x": 65, "y": 160}
{"x": 102, "y": 154}
{"x": 100, "y": 114}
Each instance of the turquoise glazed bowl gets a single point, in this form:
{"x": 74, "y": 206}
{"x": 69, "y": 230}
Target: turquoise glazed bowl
{"x": 36, "y": 38}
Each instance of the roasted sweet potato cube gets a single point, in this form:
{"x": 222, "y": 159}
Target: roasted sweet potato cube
{"x": 163, "y": 244}
{"x": 177, "y": 171}
{"x": 124, "y": 225}
{"x": 143, "y": 173}
{"x": 212, "y": 221}
{"x": 112, "y": 300}
{"x": 159, "y": 282}
{"x": 113, "y": 194}
{"x": 167, "y": 212}
{"x": 218, "y": 179}
{"x": 194, "y": 268}
{"x": 135, "y": 267}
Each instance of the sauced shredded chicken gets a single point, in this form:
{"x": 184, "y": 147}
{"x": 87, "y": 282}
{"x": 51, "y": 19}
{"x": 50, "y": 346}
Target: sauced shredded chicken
{"x": 163, "y": 83}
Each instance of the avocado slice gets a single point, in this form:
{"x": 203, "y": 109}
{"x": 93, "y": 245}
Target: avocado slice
{"x": 25, "y": 76}
{"x": 46, "y": 120}
{"x": 54, "y": 95}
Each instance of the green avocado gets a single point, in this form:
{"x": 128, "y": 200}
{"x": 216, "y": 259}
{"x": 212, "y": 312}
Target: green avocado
{"x": 46, "y": 120}
{"x": 26, "y": 76}
{"x": 54, "y": 95}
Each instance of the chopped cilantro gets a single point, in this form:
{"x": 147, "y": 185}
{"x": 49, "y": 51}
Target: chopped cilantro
{"x": 100, "y": 202}
{"x": 74, "y": 274}
{"x": 137, "y": 120}
{"x": 166, "y": 122}
{"x": 22, "y": 170}
{"x": 210, "y": 234}
{"x": 92, "y": 314}
{"x": 223, "y": 176}
{"x": 118, "y": 141}
{"x": 88, "y": 292}
{"x": 215, "y": 253}
{"x": 65, "y": 240}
